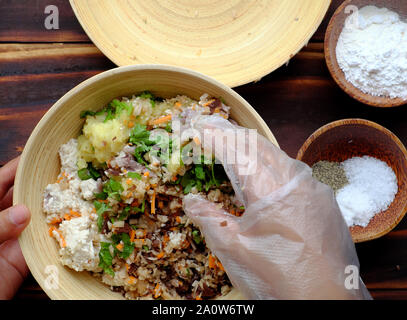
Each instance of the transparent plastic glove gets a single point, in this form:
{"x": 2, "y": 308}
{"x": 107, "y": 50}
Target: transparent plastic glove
{"x": 292, "y": 241}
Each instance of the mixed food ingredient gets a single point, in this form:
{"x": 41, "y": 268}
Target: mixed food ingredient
{"x": 370, "y": 187}
{"x": 371, "y": 51}
{"x": 116, "y": 208}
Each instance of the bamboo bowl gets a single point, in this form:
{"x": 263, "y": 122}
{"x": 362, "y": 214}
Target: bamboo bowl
{"x": 332, "y": 34}
{"x": 234, "y": 41}
{"x": 344, "y": 139}
{"x": 39, "y": 164}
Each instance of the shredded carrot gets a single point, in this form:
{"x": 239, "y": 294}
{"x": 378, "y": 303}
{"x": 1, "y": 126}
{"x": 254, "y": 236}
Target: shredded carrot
{"x": 74, "y": 213}
{"x": 67, "y": 217}
{"x": 166, "y": 238}
{"x": 120, "y": 246}
{"x": 209, "y": 102}
{"x": 160, "y": 255}
{"x": 197, "y": 141}
{"x": 220, "y": 266}
{"x": 132, "y": 117}
{"x": 173, "y": 228}
{"x": 127, "y": 266}
{"x": 162, "y": 120}
{"x": 125, "y": 122}
{"x": 157, "y": 291}
{"x": 50, "y": 231}
{"x": 153, "y": 204}
{"x": 212, "y": 262}
{"x": 232, "y": 211}
{"x": 174, "y": 178}
{"x": 217, "y": 110}
{"x": 56, "y": 220}
{"x": 146, "y": 174}
{"x": 198, "y": 298}
{"x": 178, "y": 104}
{"x": 178, "y": 219}
{"x": 128, "y": 181}
{"x": 105, "y": 201}
{"x": 132, "y": 235}
{"x": 160, "y": 204}
{"x": 131, "y": 280}
{"x": 62, "y": 241}
{"x": 130, "y": 124}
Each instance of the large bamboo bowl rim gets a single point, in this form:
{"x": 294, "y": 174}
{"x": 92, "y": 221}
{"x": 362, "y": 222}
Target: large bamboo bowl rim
{"x": 39, "y": 164}
{"x": 344, "y": 139}
{"x": 234, "y": 41}
{"x": 332, "y": 34}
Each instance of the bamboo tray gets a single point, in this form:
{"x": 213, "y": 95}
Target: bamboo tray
{"x": 234, "y": 41}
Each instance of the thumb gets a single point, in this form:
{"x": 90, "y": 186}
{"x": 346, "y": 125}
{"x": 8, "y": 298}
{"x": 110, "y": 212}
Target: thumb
{"x": 218, "y": 227}
{"x": 13, "y": 221}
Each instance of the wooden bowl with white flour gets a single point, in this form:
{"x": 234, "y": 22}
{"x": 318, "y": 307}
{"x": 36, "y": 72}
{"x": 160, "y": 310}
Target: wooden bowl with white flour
{"x": 365, "y": 51}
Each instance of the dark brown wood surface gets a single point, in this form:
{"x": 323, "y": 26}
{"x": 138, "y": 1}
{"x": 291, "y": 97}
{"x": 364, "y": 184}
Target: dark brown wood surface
{"x": 38, "y": 66}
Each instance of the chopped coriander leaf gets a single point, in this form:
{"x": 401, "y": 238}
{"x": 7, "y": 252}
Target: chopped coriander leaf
{"x": 101, "y": 196}
{"x": 128, "y": 247}
{"x": 83, "y": 174}
{"x": 89, "y": 172}
{"x": 106, "y": 258}
{"x": 168, "y": 127}
{"x": 242, "y": 208}
{"x": 124, "y": 214}
{"x": 148, "y": 95}
{"x": 86, "y": 113}
{"x": 113, "y": 189}
{"x": 120, "y": 106}
{"x": 146, "y": 248}
{"x": 199, "y": 172}
{"x": 140, "y": 137}
{"x": 196, "y": 236}
{"x": 101, "y": 208}
{"x": 188, "y": 272}
{"x": 134, "y": 175}
{"x": 93, "y": 172}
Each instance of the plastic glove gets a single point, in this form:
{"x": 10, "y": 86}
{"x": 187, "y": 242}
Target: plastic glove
{"x": 292, "y": 241}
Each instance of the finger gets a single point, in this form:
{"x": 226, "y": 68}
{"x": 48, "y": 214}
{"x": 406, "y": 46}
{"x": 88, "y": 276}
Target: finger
{"x": 14, "y": 268}
{"x": 13, "y": 221}
{"x": 213, "y": 221}
{"x": 7, "y": 174}
{"x": 7, "y": 201}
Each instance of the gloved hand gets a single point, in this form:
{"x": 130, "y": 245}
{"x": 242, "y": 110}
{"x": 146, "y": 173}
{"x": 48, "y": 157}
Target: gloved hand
{"x": 292, "y": 241}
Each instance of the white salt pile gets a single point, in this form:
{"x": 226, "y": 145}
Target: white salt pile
{"x": 372, "y": 188}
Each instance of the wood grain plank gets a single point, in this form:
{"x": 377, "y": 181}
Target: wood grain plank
{"x": 23, "y": 21}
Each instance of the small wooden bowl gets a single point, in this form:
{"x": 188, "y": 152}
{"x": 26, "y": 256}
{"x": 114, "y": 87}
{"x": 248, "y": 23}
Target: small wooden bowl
{"x": 344, "y": 139}
{"x": 333, "y": 32}
{"x": 39, "y": 164}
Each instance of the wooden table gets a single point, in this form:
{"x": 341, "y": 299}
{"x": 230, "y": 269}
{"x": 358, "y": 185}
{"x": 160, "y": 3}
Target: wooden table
{"x": 38, "y": 66}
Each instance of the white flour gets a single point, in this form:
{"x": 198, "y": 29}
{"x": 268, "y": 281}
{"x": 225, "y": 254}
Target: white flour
{"x": 372, "y": 52}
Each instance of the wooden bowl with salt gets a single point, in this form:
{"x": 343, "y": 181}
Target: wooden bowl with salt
{"x": 345, "y": 139}
{"x": 333, "y": 32}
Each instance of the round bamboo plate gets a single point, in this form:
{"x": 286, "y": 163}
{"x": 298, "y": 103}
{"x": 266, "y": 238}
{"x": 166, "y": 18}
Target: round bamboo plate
{"x": 39, "y": 164}
{"x": 234, "y": 41}
{"x": 344, "y": 139}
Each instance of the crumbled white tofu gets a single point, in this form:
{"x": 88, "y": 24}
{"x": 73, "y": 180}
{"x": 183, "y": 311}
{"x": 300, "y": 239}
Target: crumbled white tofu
{"x": 89, "y": 188}
{"x": 80, "y": 252}
{"x": 68, "y": 153}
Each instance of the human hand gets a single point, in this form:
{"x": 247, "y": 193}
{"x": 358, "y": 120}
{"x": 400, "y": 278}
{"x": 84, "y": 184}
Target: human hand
{"x": 292, "y": 241}
{"x": 13, "y": 220}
